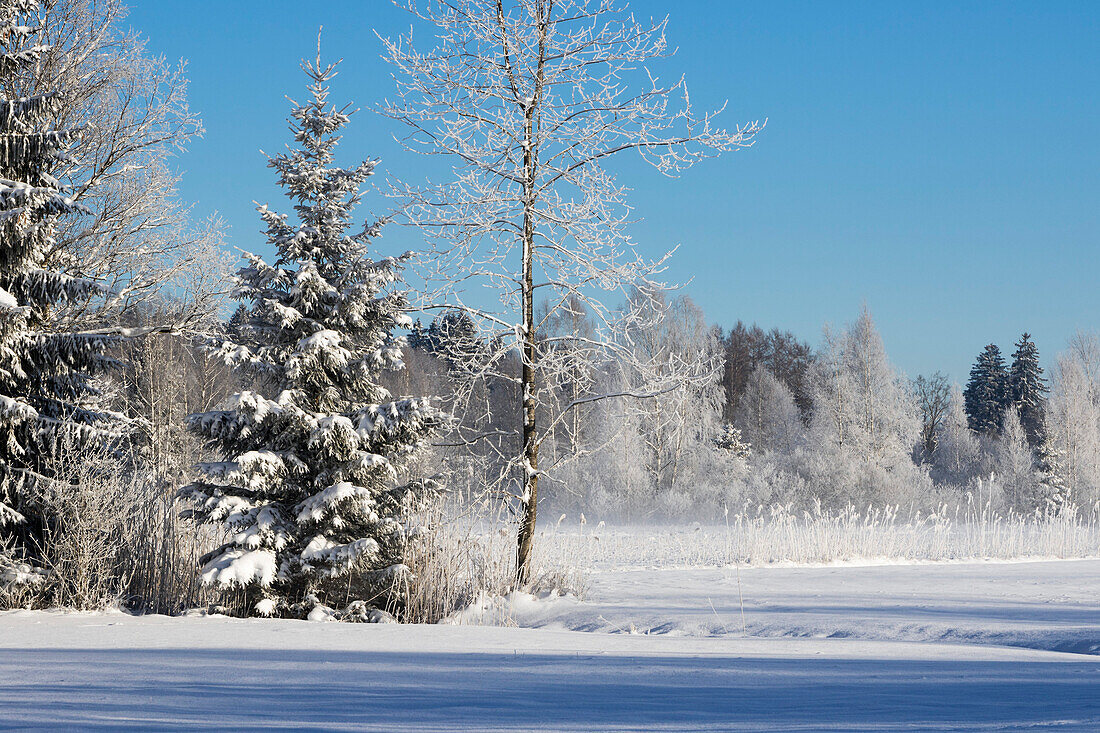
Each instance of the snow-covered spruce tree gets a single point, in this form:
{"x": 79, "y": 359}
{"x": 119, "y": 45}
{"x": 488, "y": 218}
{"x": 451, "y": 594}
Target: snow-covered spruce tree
{"x": 48, "y": 397}
{"x": 1027, "y": 390}
{"x": 1054, "y": 492}
{"x": 729, "y": 441}
{"x": 986, "y": 394}
{"x": 452, "y": 336}
{"x": 308, "y": 489}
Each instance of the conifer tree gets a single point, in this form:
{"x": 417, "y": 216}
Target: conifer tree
{"x": 48, "y": 398}
{"x": 986, "y": 395}
{"x": 1054, "y": 490}
{"x": 1027, "y": 389}
{"x": 453, "y": 336}
{"x": 309, "y": 487}
{"x": 730, "y": 441}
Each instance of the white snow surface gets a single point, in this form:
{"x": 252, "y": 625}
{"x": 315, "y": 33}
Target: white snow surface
{"x": 7, "y": 300}
{"x": 962, "y": 646}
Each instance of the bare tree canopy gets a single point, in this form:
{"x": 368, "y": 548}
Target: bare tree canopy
{"x": 933, "y": 396}
{"x": 130, "y": 113}
{"x": 529, "y": 99}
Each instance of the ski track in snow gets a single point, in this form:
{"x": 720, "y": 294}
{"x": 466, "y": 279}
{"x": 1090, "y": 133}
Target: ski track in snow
{"x": 984, "y": 647}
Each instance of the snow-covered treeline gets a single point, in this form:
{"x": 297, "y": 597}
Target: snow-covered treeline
{"x": 829, "y": 426}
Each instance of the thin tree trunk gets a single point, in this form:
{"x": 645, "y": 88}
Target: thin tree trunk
{"x": 530, "y": 435}
{"x": 526, "y": 537}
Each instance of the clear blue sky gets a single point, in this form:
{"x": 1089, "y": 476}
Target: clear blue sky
{"x": 940, "y": 161}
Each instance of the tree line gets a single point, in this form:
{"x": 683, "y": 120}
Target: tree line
{"x": 776, "y": 421}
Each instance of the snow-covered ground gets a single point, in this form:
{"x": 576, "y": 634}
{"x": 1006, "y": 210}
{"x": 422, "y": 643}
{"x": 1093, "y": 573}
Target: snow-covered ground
{"x": 1053, "y": 605}
{"x": 979, "y": 646}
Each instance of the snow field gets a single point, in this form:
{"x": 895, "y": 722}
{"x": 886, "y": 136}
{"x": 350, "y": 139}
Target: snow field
{"x": 981, "y": 646}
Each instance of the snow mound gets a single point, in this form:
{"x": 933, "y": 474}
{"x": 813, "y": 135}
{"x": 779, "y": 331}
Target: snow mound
{"x": 515, "y": 609}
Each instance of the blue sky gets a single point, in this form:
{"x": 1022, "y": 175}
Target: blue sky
{"x": 940, "y": 161}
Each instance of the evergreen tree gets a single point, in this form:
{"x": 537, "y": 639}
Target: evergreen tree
{"x": 48, "y": 398}
{"x": 419, "y": 337}
{"x": 986, "y": 395}
{"x": 452, "y": 336}
{"x": 729, "y": 440}
{"x": 308, "y": 489}
{"x": 1027, "y": 389}
{"x": 1054, "y": 490}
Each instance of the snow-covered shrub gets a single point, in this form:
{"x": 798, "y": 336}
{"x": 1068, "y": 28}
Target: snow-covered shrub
{"x": 730, "y": 441}
{"x": 162, "y": 550}
{"x": 310, "y": 486}
{"x": 21, "y": 583}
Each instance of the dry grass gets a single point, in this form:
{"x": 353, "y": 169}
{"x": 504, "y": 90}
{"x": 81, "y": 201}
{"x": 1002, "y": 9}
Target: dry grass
{"x": 469, "y": 553}
{"x": 112, "y": 539}
{"x": 469, "y": 556}
{"x": 116, "y": 540}
{"x": 779, "y": 534}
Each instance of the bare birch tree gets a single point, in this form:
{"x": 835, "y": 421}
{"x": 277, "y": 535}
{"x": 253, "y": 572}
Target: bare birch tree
{"x": 131, "y": 116}
{"x": 1074, "y": 415}
{"x": 682, "y": 420}
{"x": 530, "y": 99}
